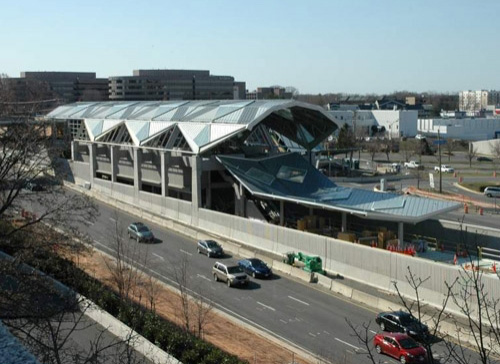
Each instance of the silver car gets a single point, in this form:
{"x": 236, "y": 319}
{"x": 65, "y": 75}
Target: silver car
{"x": 492, "y": 191}
{"x": 140, "y": 232}
{"x": 233, "y": 275}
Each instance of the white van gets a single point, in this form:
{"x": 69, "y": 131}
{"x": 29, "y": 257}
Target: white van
{"x": 492, "y": 191}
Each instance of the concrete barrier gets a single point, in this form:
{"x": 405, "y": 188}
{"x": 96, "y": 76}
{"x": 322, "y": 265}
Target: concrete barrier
{"x": 230, "y": 247}
{"x": 245, "y": 253}
{"x": 324, "y": 281}
{"x": 302, "y": 275}
{"x": 341, "y": 289}
{"x": 264, "y": 258}
{"x": 365, "y": 298}
{"x": 384, "y": 305}
{"x": 282, "y": 267}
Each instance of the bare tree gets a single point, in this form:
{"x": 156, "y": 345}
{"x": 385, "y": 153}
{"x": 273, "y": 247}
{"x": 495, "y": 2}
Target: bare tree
{"x": 181, "y": 276}
{"x": 124, "y": 268}
{"x": 471, "y": 153}
{"x": 372, "y": 148}
{"x": 408, "y": 149}
{"x": 196, "y": 307}
{"x": 450, "y": 147}
{"x": 495, "y": 150}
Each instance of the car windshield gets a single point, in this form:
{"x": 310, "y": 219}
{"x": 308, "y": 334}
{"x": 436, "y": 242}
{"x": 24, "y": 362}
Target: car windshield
{"x": 143, "y": 229}
{"x": 212, "y": 244}
{"x": 235, "y": 269}
{"x": 408, "y": 343}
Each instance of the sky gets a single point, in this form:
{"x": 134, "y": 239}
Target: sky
{"x": 316, "y": 46}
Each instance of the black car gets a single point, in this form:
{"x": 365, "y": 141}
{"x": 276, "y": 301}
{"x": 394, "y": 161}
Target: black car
{"x": 255, "y": 267}
{"x": 484, "y": 159}
{"x": 400, "y": 321}
{"x": 210, "y": 248}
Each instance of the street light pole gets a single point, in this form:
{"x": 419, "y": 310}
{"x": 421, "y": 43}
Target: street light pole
{"x": 440, "y": 170}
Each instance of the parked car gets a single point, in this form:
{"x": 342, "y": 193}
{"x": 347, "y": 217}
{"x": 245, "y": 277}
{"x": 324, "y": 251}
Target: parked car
{"x": 233, "y": 275}
{"x": 419, "y": 137}
{"x": 412, "y": 164}
{"x": 140, "y": 232}
{"x": 400, "y": 321}
{"x": 210, "y": 247}
{"x": 444, "y": 168}
{"x": 255, "y": 267}
{"x": 492, "y": 191}
{"x": 484, "y": 159}
{"x": 34, "y": 186}
{"x": 401, "y": 347}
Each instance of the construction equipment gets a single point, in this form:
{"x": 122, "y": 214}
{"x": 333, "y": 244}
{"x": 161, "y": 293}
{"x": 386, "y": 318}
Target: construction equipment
{"x": 312, "y": 263}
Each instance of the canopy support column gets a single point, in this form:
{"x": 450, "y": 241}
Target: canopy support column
{"x": 400, "y": 232}
{"x": 92, "y": 162}
{"x": 282, "y": 213}
{"x": 114, "y": 161}
{"x": 344, "y": 221}
{"x": 164, "y": 161}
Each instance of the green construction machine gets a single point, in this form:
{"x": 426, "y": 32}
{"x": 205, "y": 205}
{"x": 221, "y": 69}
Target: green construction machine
{"x": 312, "y": 263}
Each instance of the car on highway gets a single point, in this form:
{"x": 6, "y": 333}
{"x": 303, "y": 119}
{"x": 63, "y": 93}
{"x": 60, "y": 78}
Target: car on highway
{"x": 492, "y": 191}
{"x": 401, "y": 321}
{"x": 400, "y": 346}
{"x": 484, "y": 159}
{"x": 444, "y": 168}
{"x": 255, "y": 268}
{"x": 233, "y": 275}
{"x": 140, "y": 232}
{"x": 210, "y": 247}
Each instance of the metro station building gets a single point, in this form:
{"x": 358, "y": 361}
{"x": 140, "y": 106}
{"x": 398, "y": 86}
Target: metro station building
{"x": 253, "y": 159}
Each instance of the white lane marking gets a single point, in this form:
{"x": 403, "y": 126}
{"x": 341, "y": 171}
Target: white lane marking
{"x": 296, "y": 299}
{"x": 88, "y": 223}
{"x": 203, "y": 277}
{"x": 104, "y": 246}
{"x": 266, "y": 306}
{"x": 283, "y": 321}
{"x": 158, "y": 256}
{"x": 346, "y": 343}
{"x": 373, "y": 332}
{"x": 185, "y": 252}
{"x": 312, "y": 334}
{"x": 326, "y": 332}
{"x": 111, "y": 219}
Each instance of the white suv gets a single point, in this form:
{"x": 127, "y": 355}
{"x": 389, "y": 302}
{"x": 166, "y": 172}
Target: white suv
{"x": 492, "y": 191}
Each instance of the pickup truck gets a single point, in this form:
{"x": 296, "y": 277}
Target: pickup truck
{"x": 444, "y": 169}
{"x": 412, "y": 164}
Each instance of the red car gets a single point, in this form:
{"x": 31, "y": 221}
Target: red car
{"x": 400, "y": 346}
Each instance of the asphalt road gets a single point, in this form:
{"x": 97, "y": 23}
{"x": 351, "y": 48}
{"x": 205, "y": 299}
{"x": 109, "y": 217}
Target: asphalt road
{"x": 292, "y": 311}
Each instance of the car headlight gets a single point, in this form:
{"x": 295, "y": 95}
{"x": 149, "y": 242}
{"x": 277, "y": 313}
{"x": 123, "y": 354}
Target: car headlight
{"x": 410, "y": 355}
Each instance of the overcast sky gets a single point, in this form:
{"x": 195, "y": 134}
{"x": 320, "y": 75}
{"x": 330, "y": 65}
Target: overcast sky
{"x": 351, "y": 46}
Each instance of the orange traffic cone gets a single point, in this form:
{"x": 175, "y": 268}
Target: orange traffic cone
{"x": 455, "y": 259}
{"x": 494, "y": 267}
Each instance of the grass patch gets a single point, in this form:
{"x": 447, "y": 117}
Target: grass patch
{"x": 479, "y": 186}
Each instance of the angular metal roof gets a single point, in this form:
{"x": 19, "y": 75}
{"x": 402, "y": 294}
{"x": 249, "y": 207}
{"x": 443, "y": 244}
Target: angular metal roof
{"x": 203, "y": 123}
{"x": 290, "y": 177}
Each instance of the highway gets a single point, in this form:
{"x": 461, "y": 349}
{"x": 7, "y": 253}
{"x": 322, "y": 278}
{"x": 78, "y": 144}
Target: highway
{"x": 297, "y": 313}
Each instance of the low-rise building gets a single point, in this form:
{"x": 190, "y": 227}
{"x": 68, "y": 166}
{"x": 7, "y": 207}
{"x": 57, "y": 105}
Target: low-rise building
{"x": 394, "y": 123}
{"x": 169, "y": 84}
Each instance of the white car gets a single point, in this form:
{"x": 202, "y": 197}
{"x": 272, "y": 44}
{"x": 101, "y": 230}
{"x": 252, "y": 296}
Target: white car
{"x": 412, "y": 164}
{"x": 444, "y": 169}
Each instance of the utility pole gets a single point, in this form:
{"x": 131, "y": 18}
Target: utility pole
{"x": 440, "y": 170}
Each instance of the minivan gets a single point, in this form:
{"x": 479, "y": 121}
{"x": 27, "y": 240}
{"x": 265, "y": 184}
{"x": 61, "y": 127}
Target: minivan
{"x": 492, "y": 191}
